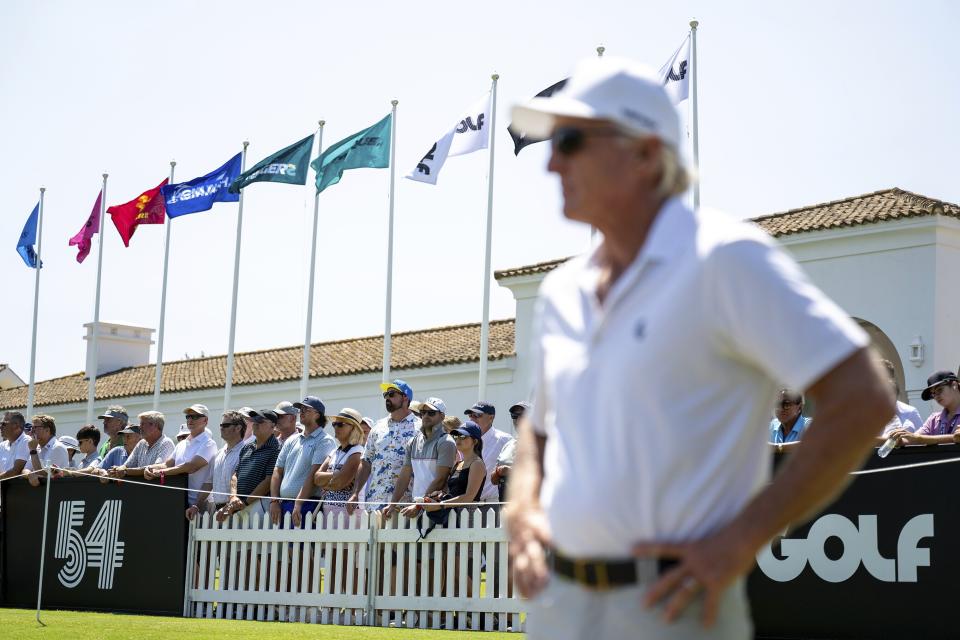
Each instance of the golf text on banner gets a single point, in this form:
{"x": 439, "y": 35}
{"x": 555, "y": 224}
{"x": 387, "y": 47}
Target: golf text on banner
{"x": 147, "y": 208}
{"x": 675, "y": 75}
{"x": 520, "y": 139}
{"x": 84, "y": 238}
{"x": 289, "y": 165}
{"x": 369, "y": 149}
{"x": 28, "y": 238}
{"x": 200, "y": 193}
{"x": 470, "y": 134}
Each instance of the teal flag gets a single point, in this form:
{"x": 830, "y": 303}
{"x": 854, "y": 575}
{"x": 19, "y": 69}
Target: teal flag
{"x": 369, "y": 148}
{"x": 288, "y": 165}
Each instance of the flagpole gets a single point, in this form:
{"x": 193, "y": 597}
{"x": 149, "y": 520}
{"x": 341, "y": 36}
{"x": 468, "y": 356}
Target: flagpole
{"x": 393, "y": 175}
{"x": 305, "y": 377}
{"x": 485, "y": 323}
{"x": 92, "y": 373}
{"x": 36, "y": 301}
{"x": 694, "y": 71}
{"x": 163, "y": 306}
{"x": 236, "y": 286}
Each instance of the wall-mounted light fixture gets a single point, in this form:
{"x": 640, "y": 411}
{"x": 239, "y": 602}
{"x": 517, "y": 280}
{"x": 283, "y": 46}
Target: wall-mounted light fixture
{"x": 916, "y": 351}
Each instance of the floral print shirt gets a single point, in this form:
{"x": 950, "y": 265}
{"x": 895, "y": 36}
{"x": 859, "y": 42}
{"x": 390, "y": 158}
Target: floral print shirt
{"x": 385, "y": 451}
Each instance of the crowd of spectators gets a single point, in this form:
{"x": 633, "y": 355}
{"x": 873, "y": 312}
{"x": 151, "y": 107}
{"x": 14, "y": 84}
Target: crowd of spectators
{"x": 905, "y": 426}
{"x": 285, "y": 460}
{"x": 417, "y": 459}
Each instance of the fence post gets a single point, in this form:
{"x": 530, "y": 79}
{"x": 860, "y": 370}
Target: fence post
{"x": 373, "y": 565}
{"x": 190, "y": 573}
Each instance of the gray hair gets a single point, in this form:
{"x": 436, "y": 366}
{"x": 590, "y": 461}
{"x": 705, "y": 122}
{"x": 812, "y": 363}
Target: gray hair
{"x": 153, "y": 417}
{"x": 675, "y": 178}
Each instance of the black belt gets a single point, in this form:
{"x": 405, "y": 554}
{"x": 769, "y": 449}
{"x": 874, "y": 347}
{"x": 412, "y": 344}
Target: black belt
{"x": 601, "y": 574}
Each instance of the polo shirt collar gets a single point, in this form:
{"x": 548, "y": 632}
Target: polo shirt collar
{"x": 673, "y": 226}
{"x": 200, "y": 438}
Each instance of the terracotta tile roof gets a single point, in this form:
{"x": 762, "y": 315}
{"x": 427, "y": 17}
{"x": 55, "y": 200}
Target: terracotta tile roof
{"x": 879, "y": 206}
{"x": 540, "y": 267}
{"x": 409, "y": 350}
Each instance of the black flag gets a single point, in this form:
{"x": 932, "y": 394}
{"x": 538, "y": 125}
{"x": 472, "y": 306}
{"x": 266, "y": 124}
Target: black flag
{"x": 520, "y": 139}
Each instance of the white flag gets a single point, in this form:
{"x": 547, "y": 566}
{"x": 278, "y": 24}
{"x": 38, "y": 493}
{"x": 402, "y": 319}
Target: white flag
{"x": 675, "y": 75}
{"x": 470, "y": 134}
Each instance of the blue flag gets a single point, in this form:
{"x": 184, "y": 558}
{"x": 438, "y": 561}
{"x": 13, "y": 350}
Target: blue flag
{"x": 200, "y": 193}
{"x": 29, "y": 238}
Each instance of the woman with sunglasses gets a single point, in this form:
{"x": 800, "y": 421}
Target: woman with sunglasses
{"x": 337, "y": 473}
{"x": 465, "y": 483}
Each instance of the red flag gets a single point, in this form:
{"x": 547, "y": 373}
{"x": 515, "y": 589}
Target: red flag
{"x": 147, "y": 208}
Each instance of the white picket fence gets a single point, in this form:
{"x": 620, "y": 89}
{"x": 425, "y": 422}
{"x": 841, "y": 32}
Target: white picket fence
{"x": 371, "y": 573}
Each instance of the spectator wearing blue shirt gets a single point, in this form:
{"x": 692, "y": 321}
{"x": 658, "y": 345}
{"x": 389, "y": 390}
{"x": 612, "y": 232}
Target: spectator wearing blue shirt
{"x": 789, "y": 423}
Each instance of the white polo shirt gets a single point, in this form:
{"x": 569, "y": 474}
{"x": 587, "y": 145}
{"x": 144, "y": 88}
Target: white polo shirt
{"x": 494, "y": 441}
{"x": 188, "y": 449}
{"x": 54, "y": 452}
{"x": 655, "y": 406}
{"x": 10, "y": 452}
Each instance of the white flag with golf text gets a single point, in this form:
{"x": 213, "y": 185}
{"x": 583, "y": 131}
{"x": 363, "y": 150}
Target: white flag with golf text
{"x": 675, "y": 75}
{"x": 470, "y": 134}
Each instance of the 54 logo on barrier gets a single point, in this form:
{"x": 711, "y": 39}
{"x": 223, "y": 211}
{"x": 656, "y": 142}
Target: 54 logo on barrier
{"x": 100, "y": 548}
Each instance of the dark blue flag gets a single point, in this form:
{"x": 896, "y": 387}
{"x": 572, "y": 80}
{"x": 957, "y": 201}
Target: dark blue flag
{"x": 29, "y": 238}
{"x": 200, "y": 193}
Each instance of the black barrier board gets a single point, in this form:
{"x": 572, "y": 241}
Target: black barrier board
{"x": 118, "y": 546}
{"x": 872, "y": 564}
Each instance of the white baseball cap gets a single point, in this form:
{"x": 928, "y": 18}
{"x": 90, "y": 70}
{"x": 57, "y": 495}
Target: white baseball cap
{"x": 70, "y": 442}
{"x": 621, "y": 91}
{"x": 434, "y": 403}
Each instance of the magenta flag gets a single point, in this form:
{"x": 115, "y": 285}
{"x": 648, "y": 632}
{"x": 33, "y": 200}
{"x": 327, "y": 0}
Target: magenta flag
{"x": 83, "y": 239}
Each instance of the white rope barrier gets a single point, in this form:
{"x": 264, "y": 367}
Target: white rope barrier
{"x": 244, "y": 495}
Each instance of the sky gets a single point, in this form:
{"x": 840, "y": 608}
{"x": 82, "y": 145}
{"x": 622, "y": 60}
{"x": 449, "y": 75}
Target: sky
{"x": 799, "y": 103}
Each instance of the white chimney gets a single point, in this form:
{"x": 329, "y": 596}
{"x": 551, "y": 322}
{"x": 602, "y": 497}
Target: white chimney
{"x": 120, "y": 345}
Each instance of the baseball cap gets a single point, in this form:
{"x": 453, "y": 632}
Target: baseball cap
{"x": 936, "y": 379}
{"x": 312, "y": 402}
{"x": 285, "y": 408}
{"x": 618, "y": 90}
{"x": 270, "y": 415}
{"x": 197, "y": 409}
{"x": 184, "y": 430}
{"x": 370, "y": 421}
{"x": 248, "y": 412}
{"x": 434, "y": 403}
{"x": 482, "y": 407}
{"x": 519, "y": 407}
{"x": 469, "y": 428}
{"x": 131, "y": 428}
{"x": 415, "y": 406}
{"x": 114, "y": 412}
{"x": 69, "y": 442}
{"x": 399, "y": 385}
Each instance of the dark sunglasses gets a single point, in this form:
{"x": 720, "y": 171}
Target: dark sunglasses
{"x": 194, "y": 416}
{"x": 515, "y": 416}
{"x": 569, "y": 140}
{"x": 340, "y": 424}
{"x": 391, "y": 393}
{"x": 428, "y": 412}
{"x": 783, "y": 404}
{"x": 458, "y": 436}
{"x": 224, "y": 425}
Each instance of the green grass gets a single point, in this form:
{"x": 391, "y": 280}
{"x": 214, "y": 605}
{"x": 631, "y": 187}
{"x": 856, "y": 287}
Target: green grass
{"x": 21, "y": 623}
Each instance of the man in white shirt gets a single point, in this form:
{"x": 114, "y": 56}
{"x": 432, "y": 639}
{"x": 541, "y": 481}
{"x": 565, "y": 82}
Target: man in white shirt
{"x": 192, "y": 457}
{"x": 232, "y": 428}
{"x": 15, "y": 447}
{"x": 644, "y": 465}
{"x": 494, "y": 440}
{"x": 45, "y": 448}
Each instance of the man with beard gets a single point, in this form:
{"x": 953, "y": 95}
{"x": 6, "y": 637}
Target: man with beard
{"x": 387, "y": 447}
